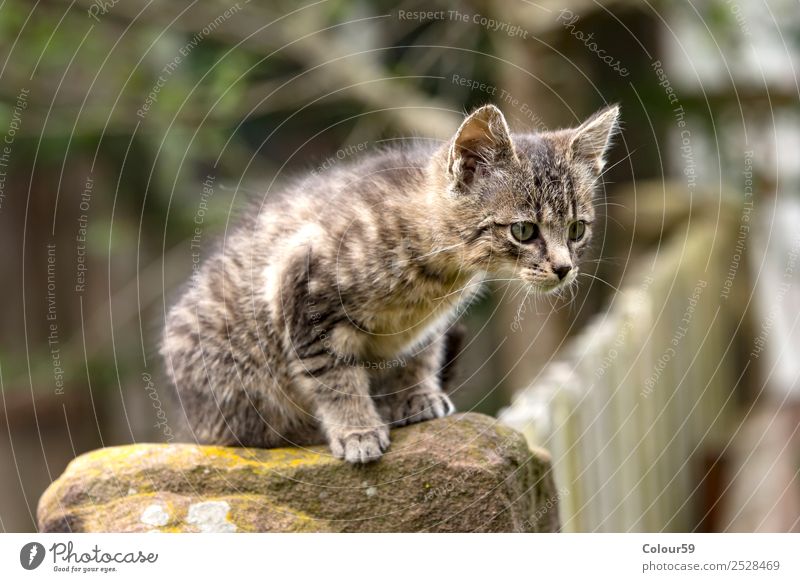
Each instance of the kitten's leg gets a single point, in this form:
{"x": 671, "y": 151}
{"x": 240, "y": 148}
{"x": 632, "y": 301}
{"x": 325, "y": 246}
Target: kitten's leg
{"x": 321, "y": 343}
{"x": 344, "y": 408}
{"x": 413, "y": 390}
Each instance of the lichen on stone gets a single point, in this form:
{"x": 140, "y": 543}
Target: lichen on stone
{"x": 210, "y": 517}
{"x": 461, "y": 473}
{"x": 154, "y": 515}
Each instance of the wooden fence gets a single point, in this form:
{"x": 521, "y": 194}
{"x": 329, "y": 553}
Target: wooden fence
{"x": 632, "y": 407}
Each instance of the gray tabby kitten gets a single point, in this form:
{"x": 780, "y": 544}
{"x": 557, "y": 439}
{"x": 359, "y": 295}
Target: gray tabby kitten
{"x": 326, "y": 315}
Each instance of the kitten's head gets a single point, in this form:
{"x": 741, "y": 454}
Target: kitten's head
{"x": 523, "y": 203}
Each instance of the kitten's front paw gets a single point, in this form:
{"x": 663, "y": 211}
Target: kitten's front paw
{"x": 422, "y": 406}
{"x": 359, "y": 445}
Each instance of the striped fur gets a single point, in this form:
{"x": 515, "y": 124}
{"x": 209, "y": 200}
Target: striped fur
{"x": 326, "y": 314}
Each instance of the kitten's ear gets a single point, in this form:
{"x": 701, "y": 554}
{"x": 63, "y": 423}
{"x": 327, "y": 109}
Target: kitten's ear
{"x": 483, "y": 139}
{"x": 591, "y": 140}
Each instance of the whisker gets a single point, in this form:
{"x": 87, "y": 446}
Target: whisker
{"x": 617, "y": 289}
{"x": 517, "y": 293}
{"x": 617, "y": 163}
{"x": 465, "y": 287}
{"x": 534, "y": 295}
{"x": 602, "y": 260}
{"x": 434, "y": 252}
{"x": 518, "y": 316}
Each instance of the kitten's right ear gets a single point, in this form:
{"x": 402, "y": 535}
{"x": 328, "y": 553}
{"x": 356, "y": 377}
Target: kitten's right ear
{"x": 482, "y": 140}
{"x": 592, "y": 138}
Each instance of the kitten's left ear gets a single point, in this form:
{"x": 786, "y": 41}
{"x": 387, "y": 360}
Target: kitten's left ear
{"x": 482, "y": 140}
{"x": 591, "y": 140}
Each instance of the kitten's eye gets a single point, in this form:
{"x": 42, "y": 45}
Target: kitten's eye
{"x": 524, "y": 231}
{"x": 576, "y": 230}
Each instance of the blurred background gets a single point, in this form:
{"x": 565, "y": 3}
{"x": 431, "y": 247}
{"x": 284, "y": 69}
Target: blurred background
{"x": 133, "y": 133}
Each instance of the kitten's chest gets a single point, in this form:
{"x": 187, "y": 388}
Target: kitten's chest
{"x": 404, "y": 321}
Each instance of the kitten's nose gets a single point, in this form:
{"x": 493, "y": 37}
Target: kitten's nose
{"x": 562, "y": 271}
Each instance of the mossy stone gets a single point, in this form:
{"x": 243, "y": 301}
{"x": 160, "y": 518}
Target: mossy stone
{"x": 463, "y": 473}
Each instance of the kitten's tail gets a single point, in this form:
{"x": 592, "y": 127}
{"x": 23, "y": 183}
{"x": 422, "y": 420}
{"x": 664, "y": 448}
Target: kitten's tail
{"x": 454, "y": 342}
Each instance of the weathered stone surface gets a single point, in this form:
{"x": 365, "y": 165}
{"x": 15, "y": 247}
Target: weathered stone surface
{"x": 462, "y": 473}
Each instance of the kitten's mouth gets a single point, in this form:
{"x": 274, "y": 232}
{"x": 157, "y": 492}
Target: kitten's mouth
{"x": 548, "y": 287}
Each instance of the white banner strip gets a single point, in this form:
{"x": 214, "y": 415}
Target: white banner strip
{"x": 390, "y": 557}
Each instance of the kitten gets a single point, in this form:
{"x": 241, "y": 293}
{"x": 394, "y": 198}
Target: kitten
{"x": 326, "y": 315}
